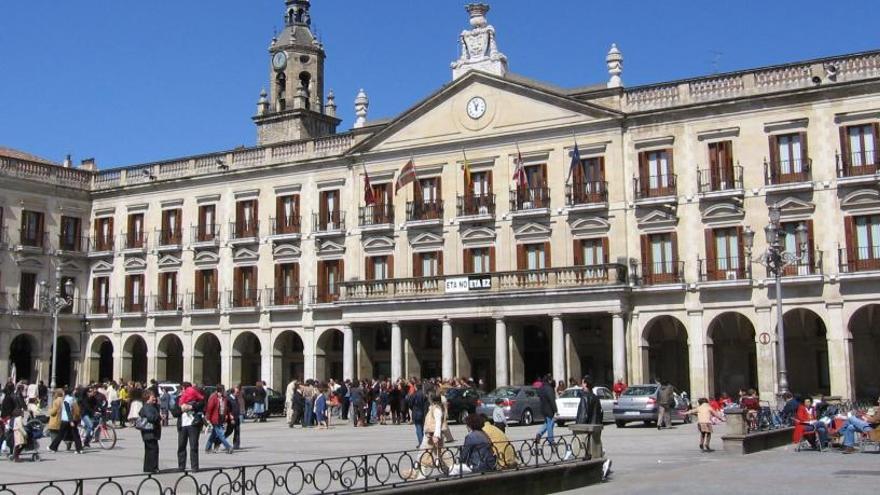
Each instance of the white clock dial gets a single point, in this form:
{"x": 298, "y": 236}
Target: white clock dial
{"x": 476, "y": 107}
{"x": 279, "y": 61}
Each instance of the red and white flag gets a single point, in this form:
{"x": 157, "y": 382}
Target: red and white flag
{"x": 520, "y": 178}
{"x": 369, "y": 197}
{"x": 407, "y": 174}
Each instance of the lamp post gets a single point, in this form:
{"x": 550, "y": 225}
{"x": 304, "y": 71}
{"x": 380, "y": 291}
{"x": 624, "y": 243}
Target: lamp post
{"x": 776, "y": 259}
{"x": 56, "y": 302}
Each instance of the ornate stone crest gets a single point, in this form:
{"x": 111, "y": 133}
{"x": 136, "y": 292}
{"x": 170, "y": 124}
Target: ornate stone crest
{"x": 479, "y": 49}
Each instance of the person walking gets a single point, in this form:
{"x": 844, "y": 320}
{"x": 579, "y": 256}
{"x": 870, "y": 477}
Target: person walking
{"x": 217, "y": 415}
{"x": 190, "y": 420}
{"x": 344, "y": 400}
{"x": 547, "y": 395}
{"x": 417, "y": 403}
{"x": 112, "y": 393}
{"x": 259, "y": 403}
{"x": 321, "y": 415}
{"x": 70, "y": 417}
{"x": 356, "y": 393}
{"x": 665, "y": 405}
{"x": 54, "y": 425}
{"x": 233, "y": 428}
{"x": 150, "y": 425}
{"x": 288, "y": 401}
{"x": 309, "y": 396}
{"x": 589, "y": 410}
{"x": 705, "y": 413}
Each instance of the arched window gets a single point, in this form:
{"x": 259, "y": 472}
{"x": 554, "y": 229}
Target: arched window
{"x": 291, "y": 17}
{"x": 305, "y": 80}
{"x": 280, "y": 90}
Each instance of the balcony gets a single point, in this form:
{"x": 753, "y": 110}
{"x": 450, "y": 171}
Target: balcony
{"x": 859, "y": 261}
{"x": 858, "y": 168}
{"x": 286, "y": 228}
{"x": 655, "y": 189}
{"x": 31, "y": 241}
{"x": 169, "y": 304}
{"x": 476, "y": 207}
{"x": 721, "y": 182}
{"x": 729, "y": 271}
{"x": 168, "y": 239}
{"x": 134, "y": 242}
{"x": 239, "y": 300}
{"x": 206, "y": 302}
{"x": 329, "y": 223}
{"x": 244, "y": 232}
{"x": 73, "y": 245}
{"x": 563, "y": 278}
{"x": 527, "y": 201}
{"x": 101, "y": 245}
{"x": 26, "y": 304}
{"x": 204, "y": 236}
{"x": 324, "y": 294}
{"x": 284, "y": 297}
{"x": 583, "y": 196}
{"x": 788, "y": 175}
{"x": 98, "y": 307}
{"x": 660, "y": 273}
{"x": 425, "y": 211}
{"x": 77, "y": 307}
{"x": 132, "y": 306}
{"x": 376, "y": 217}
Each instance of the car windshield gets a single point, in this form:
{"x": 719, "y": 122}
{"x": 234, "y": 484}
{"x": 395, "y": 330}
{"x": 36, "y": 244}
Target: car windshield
{"x": 504, "y": 392}
{"x": 640, "y": 390}
{"x": 570, "y": 393}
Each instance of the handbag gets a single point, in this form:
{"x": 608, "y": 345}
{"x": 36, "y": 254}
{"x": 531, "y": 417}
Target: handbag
{"x": 143, "y": 424}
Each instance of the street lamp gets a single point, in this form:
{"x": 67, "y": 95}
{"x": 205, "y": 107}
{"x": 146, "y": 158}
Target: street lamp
{"x": 776, "y": 259}
{"x": 56, "y": 302}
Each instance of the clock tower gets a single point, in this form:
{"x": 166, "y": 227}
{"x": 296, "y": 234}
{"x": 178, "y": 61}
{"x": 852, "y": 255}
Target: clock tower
{"x": 294, "y": 108}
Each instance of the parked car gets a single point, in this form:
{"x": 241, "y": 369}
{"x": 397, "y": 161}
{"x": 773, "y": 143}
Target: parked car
{"x": 567, "y": 404}
{"x": 639, "y": 403}
{"x": 461, "y": 402}
{"x": 521, "y": 404}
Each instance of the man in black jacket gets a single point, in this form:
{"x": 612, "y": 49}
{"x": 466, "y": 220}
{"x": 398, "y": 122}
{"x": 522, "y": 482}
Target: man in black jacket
{"x": 418, "y": 406}
{"x": 547, "y": 394}
{"x": 590, "y": 408}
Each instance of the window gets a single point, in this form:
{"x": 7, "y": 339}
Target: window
{"x": 70, "y": 236}
{"x": 481, "y": 183}
{"x": 721, "y": 171}
{"x": 330, "y": 275}
{"x": 328, "y": 214}
{"x": 428, "y": 264}
{"x": 788, "y": 158}
{"x": 533, "y": 256}
{"x": 379, "y": 267}
{"x": 863, "y": 242}
{"x": 724, "y": 254}
{"x": 205, "y": 296}
{"x": 27, "y": 292}
{"x": 382, "y": 210}
{"x": 660, "y": 258}
{"x": 659, "y": 169}
{"x": 244, "y": 287}
{"x": 246, "y": 219}
{"x": 590, "y": 252}
{"x": 790, "y": 245}
{"x": 171, "y": 226}
{"x": 134, "y": 293}
{"x": 588, "y": 181}
{"x": 167, "y": 300}
{"x": 428, "y": 205}
{"x": 101, "y": 295}
{"x": 207, "y": 228}
{"x": 286, "y": 284}
{"x": 32, "y": 228}
{"x": 70, "y": 294}
{"x": 859, "y": 146}
{"x": 479, "y": 260}
{"x": 287, "y": 214}
{"x": 383, "y": 339}
{"x": 135, "y": 235}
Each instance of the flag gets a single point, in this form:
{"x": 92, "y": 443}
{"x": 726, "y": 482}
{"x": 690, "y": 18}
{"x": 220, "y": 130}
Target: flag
{"x": 369, "y": 198}
{"x": 407, "y": 174}
{"x": 467, "y": 171}
{"x": 575, "y": 161}
{"x": 520, "y": 178}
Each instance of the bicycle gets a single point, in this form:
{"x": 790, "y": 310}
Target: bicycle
{"x": 104, "y": 433}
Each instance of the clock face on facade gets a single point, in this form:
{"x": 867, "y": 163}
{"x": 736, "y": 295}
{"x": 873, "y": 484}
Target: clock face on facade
{"x": 279, "y": 61}
{"x": 476, "y": 107}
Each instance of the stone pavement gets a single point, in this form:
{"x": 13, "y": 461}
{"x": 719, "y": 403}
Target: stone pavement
{"x": 645, "y": 460}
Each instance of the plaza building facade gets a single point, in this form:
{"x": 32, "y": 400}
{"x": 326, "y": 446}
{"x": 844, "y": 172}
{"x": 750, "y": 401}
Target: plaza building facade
{"x": 500, "y": 260}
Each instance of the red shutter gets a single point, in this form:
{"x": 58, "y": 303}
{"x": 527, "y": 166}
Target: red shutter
{"x": 845, "y": 153}
{"x": 322, "y": 211}
{"x": 548, "y": 258}
{"x": 389, "y": 260}
{"x": 163, "y": 293}
{"x": 279, "y": 213}
{"x": 669, "y": 162}
{"x": 322, "y": 280}
{"x": 714, "y": 165}
{"x": 578, "y": 249}
{"x": 438, "y": 193}
{"x": 521, "y": 257}
{"x": 369, "y": 271}
{"x": 647, "y": 263}
{"x": 255, "y": 223}
{"x": 643, "y": 172}
{"x": 467, "y": 261}
{"x": 279, "y": 283}
{"x": 674, "y": 239}
{"x": 774, "y": 157}
{"x": 492, "y": 259}
{"x": 849, "y": 225}
{"x": 417, "y": 265}
{"x": 605, "y": 254}
{"x": 710, "y": 261}
{"x": 239, "y": 218}
{"x": 743, "y": 262}
{"x": 439, "y": 263}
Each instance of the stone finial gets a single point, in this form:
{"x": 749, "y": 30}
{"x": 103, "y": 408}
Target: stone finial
{"x": 614, "y": 60}
{"x": 361, "y": 103}
{"x": 478, "y": 13}
{"x": 263, "y": 103}
{"x": 330, "y": 107}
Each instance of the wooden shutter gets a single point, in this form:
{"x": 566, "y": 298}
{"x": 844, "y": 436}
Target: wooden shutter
{"x": 876, "y": 132}
{"x": 605, "y": 255}
{"x": 280, "y": 219}
{"x": 439, "y": 263}
{"x": 811, "y": 243}
{"x": 647, "y": 264}
{"x": 389, "y": 262}
{"x": 740, "y": 252}
{"x": 548, "y": 258}
{"x": 849, "y": 226}
{"x": 239, "y": 218}
{"x": 322, "y": 211}
{"x": 711, "y": 262}
{"x": 279, "y": 281}
{"x": 845, "y": 153}
{"x": 200, "y": 286}
{"x": 128, "y": 290}
{"x": 163, "y": 293}
{"x": 804, "y": 150}
{"x": 521, "y": 259}
{"x": 670, "y": 167}
{"x": 417, "y": 265}
{"x": 643, "y": 171}
{"x": 255, "y": 220}
{"x": 322, "y": 278}
{"x": 438, "y": 192}
{"x": 578, "y": 249}
{"x": 774, "y": 157}
{"x": 491, "y": 190}
{"x": 467, "y": 261}
{"x": 370, "y": 271}
{"x": 492, "y": 259}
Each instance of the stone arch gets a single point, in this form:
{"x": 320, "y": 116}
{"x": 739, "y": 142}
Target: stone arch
{"x": 169, "y": 354}
{"x": 665, "y": 341}
{"x": 328, "y": 355}
{"x": 733, "y": 357}
{"x": 134, "y": 359}
{"x": 23, "y": 353}
{"x": 288, "y": 359}
{"x": 246, "y": 359}
{"x": 207, "y": 353}
{"x": 101, "y": 359}
{"x": 806, "y": 352}
{"x": 864, "y": 329}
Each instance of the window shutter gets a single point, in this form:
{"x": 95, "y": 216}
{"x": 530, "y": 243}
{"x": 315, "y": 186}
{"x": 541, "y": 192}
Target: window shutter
{"x": 279, "y": 281}
{"x": 643, "y": 171}
{"x": 605, "y": 254}
{"x": 389, "y": 260}
{"x": 711, "y": 262}
{"x": 239, "y": 217}
{"x": 200, "y": 285}
{"x": 521, "y": 257}
{"x": 341, "y": 272}
{"x": 774, "y": 155}
{"x": 369, "y": 272}
{"x": 740, "y": 252}
{"x": 467, "y": 261}
{"x": 128, "y": 288}
{"x": 294, "y": 277}
{"x": 439, "y": 263}
{"x": 849, "y": 225}
{"x": 845, "y": 153}
{"x": 163, "y": 292}
{"x": 322, "y": 278}
{"x": 548, "y": 258}
{"x": 669, "y": 161}
{"x": 417, "y": 265}
{"x": 673, "y": 236}
{"x": 256, "y": 219}
{"x": 322, "y": 211}
{"x": 578, "y": 249}
{"x": 876, "y": 132}
{"x": 811, "y": 242}
{"x": 438, "y": 193}
{"x": 804, "y": 148}
{"x": 647, "y": 263}
{"x": 96, "y": 292}
{"x": 491, "y": 190}
{"x": 296, "y": 209}
{"x": 492, "y": 259}
{"x": 279, "y": 211}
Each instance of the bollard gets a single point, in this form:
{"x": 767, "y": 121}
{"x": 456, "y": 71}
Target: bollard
{"x": 592, "y": 436}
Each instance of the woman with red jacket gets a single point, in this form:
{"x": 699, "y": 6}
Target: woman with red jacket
{"x": 806, "y": 422}
{"x": 217, "y": 414}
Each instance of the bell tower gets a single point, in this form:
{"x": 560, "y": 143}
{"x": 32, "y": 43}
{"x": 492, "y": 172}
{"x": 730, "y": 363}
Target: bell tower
{"x": 294, "y": 107}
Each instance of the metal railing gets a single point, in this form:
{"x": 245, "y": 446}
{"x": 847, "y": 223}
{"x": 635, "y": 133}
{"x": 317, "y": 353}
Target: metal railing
{"x": 857, "y": 164}
{"x": 720, "y": 179}
{"x": 205, "y": 234}
{"x": 243, "y": 299}
{"x": 529, "y": 198}
{"x": 284, "y": 296}
{"x": 812, "y": 265}
{"x": 169, "y": 237}
{"x": 424, "y": 210}
{"x": 77, "y": 307}
{"x": 132, "y": 305}
{"x": 99, "y": 307}
{"x": 168, "y": 303}
{"x": 360, "y": 473}
{"x": 325, "y": 294}
{"x": 859, "y": 259}
{"x": 203, "y": 301}
{"x": 285, "y": 225}
{"x": 26, "y": 303}
{"x": 330, "y": 221}
{"x": 376, "y": 215}
{"x": 788, "y": 171}
{"x": 660, "y": 272}
{"x": 102, "y": 243}
{"x": 244, "y": 230}
{"x": 729, "y": 268}
{"x": 655, "y": 186}
{"x": 30, "y": 238}
{"x": 476, "y": 204}
{"x": 73, "y": 244}
{"x": 586, "y": 193}
{"x": 134, "y": 240}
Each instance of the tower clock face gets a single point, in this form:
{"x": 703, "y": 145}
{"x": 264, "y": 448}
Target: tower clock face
{"x": 279, "y": 61}
{"x": 476, "y": 107}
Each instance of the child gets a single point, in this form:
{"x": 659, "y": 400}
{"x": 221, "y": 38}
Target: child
{"x": 704, "y": 413}
{"x": 498, "y": 416}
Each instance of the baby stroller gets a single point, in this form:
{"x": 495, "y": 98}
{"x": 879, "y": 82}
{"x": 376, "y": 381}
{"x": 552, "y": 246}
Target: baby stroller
{"x": 34, "y": 432}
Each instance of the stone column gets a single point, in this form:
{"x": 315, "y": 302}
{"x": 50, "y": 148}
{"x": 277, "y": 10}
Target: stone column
{"x": 501, "y": 364}
{"x": 765, "y": 352}
{"x": 618, "y": 339}
{"x": 117, "y": 356}
{"x": 267, "y": 358}
{"x": 347, "y": 353}
{"x": 396, "y": 351}
{"x": 187, "y": 340}
{"x": 558, "y": 343}
{"x": 152, "y": 355}
{"x": 840, "y": 353}
{"x": 4, "y": 356}
{"x": 697, "y": 355}
{"x": 447, "y": 349}
{"x": 226, "y": 357}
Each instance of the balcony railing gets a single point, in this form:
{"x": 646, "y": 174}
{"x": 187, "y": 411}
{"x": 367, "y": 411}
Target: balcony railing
{"x": 204, "y": 301}
{"x": 243, "y": 299}
{"x": 169, "y": 237}
{"x": 330, "y": 221}
{"x": 859, "y": 259}
{"x": 284, "y": 296}
{"x": 167, "y": 303}
{"x": 549, "y": 278}
{"x": 76, "y": 307}
{"x": 324, "y": 294}
{"x": 529, "y": 198}
{"x": 99, "y": 307}
{"x": 729, "y": 268}
{"x": 285, "y": 225}
{"x": 424, "y": 210}
{"x": 26, "y": 303}
{"x": 812, "y": 265}
{"x": 473, "y": 204}
{"x": 720, "y": 179}
{"x": 858, "y": 164}
{"x": 73, "y": 243}
{"x": 787, "y": 171}
{"x": 244, "y": 230}
{"x": 655, "y": 186}
{"x": 132, "y": 304}
{"x": 376, "y": 215}
{"x": 205, "y": 234}
{"x": 586, "y": 193}
{"x": 102, "y": 243}
{"x": 33, "y": 239}
{"x": 661, "y": 272}
{"x": 134, "y": 240}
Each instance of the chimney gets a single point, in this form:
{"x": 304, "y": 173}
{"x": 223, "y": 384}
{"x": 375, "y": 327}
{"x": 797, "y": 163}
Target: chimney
{"x": 67, "y": 162}
{"x": 89, "y": 164}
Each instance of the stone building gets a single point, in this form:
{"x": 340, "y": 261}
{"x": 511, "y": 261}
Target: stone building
{"x": 500, "y": 261}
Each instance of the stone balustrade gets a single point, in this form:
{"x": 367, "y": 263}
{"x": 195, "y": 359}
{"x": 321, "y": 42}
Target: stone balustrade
{"x": 45, "y": 173}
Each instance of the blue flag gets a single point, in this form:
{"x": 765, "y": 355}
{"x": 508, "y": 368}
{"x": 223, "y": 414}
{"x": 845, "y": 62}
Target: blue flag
{"x": 575, "y": 161}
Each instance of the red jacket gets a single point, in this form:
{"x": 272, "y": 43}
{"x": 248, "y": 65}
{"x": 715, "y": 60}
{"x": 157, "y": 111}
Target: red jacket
{"x": 802, "y": 418}
{"x": 212, "y": 412}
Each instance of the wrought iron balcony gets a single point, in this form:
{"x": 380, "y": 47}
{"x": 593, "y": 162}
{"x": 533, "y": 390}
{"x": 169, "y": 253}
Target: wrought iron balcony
{"x": 417, "y": 211}
{"x": 208, "y": 300}
{"x": 655, "y": 186}
{"x": 134, "y": 240}
{"x": 73, "y": 243}
{"x": 287, "y": 225}
{"x": 33, "y": 239}
{"x": 659, "y": 273}
{"x": 729, "y": 268}
{"x": 330, "y": 221}
{"x": 376, "y": 215}
{"x": 720, "y": 179}
{"x": 169, "y": 237}
{"x": 241, "y": 231}
{"x": 243, "y": 299}
{"x": 476, "y": 205}
{"x": 208, "y": 234}
{"x": 859, "y": 259}
{"x": 284, "y": 296}
{"x": 858, "y": 164}
{"x": 167, "y": 303}
{"x": 102, "y": 243}
{"x": 586, "y": 193}
{"x": 324, "y": 294}
{"x": 132, "y": 305}
{"x": 529, "y": 198}
{"x": 99, "y": 307}
{"x": 788, "y": 171}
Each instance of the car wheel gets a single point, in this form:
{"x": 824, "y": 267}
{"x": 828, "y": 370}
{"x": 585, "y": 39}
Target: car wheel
{"x": 560, "y": 423}
{"x": 647, "y": 422}
{"x": 620, "y": 424}
{"x": 526, "y": 418}
{"x": 462, "y": 417}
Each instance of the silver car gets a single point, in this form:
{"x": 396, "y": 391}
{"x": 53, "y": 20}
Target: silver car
{"x": 520, "y": 404}
{"x": 567, "y": 404}
{"x": 639, "y": 403}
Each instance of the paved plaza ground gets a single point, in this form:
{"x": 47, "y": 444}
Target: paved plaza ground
{"x": 645, "y": 460}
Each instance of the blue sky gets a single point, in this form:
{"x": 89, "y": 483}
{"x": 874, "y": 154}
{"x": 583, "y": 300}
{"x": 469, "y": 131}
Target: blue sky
{"x": 130, "y": 82}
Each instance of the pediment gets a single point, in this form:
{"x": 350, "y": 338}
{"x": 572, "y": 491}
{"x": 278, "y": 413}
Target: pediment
{"x": 589, "y": 226}
{"x": 658, "y": 218}
{"x": 245, "y": 254}
{"x": 286, "y": 251}
{"x": 169, "y": 261}
{"x": 135, "y": 264}
{"x": 861, "y": 199}
{"x": 426, "y": 241}
{"x": 532, "y": 230}
{"x": 723, "y": 212}
{"x": 29, "y": 262}
{"x": 102, "y": 267}
{"x": 478, "y": 235}
{"x": 328, "y": 247}
{"x": 378, "y": 244}
{"x": 513, "y": 104}
{"x": 206, "y": 258}
{"x": 795, "y": 206}
{"x": 70, "y": 266}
